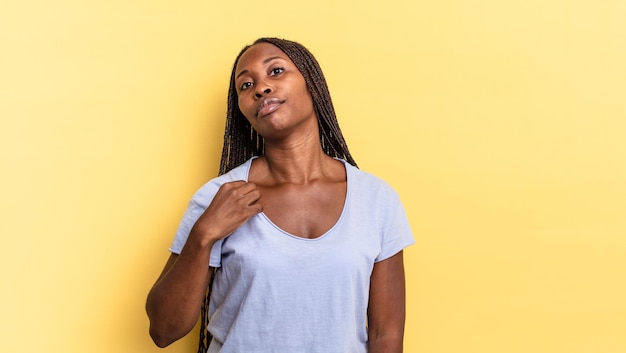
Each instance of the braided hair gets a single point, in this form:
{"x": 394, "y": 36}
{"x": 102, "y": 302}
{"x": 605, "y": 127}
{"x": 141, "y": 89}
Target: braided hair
{"x": 242, "y": 142}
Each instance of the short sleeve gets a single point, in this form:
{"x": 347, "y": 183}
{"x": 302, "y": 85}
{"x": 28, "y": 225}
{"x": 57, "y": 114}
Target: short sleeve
{"x": 397, "y": 235}
{"x": 199, "y": 203}
{"x": 191, "y": 215}
{"x": 196, "y": 207}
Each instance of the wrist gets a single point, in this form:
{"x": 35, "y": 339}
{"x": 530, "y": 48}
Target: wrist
{"x": 203, "y": 238}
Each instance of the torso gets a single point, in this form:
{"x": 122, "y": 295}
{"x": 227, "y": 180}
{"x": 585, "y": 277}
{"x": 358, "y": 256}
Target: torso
{"x": 306, "y": 210}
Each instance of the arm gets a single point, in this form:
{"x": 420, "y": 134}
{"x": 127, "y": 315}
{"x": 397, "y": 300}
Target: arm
{"x": 386, "y": 309}
{"x": 174, "y": 303}
{"x": 175, "y": 300}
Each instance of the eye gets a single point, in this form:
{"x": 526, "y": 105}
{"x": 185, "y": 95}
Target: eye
{"x": 245, "y": 85}
{"x": 276, "y": 71}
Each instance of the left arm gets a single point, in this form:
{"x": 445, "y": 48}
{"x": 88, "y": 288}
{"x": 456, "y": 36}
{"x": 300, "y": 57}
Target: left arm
{"x": 386, "y": 309}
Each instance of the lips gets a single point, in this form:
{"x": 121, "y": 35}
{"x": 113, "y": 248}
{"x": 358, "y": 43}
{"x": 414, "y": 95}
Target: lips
{"x": 268, "y": 106}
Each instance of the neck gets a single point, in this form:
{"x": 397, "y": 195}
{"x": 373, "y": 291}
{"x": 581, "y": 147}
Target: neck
{"x": 297, "y": 162}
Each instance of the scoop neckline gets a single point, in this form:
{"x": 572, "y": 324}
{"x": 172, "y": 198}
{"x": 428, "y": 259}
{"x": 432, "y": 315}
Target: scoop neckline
{"x": 327, "y": 232}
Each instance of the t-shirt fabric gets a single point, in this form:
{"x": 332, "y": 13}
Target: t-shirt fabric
{"x": 275, "y": 292}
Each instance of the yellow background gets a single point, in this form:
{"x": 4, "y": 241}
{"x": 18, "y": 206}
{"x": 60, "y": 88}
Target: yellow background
{"x": 500, "y": 123}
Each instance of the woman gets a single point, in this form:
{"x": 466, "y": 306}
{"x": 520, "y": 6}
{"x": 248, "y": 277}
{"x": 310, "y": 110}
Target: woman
{"x": 307, "y": 248}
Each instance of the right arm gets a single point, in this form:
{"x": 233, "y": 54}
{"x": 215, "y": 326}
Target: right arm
{"x": 175, "y": 300}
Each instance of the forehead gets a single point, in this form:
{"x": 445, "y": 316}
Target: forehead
{"x": 258, "y": 53}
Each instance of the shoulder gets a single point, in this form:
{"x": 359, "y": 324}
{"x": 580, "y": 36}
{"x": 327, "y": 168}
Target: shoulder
{"x": 206, "y": 192}
{"x": 369, "y": 184}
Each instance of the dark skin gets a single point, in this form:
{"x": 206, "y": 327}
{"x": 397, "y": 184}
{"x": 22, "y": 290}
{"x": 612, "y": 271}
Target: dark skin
{"x": 175, "y": 300}
{"x": 300, "y": 188}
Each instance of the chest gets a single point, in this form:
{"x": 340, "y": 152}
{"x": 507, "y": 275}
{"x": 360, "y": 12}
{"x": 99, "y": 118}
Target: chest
{"x": 306, "y": 211}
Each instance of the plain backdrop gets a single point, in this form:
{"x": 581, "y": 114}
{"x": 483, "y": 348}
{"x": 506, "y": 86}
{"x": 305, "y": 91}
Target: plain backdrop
{"x": 500, "y": 123}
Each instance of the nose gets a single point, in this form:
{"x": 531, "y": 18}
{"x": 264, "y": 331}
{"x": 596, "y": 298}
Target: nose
{"x": 262, "y": 90}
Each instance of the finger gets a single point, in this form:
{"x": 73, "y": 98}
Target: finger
{"x": 253, "y": 207}
{"x": 257, "y": 207}
{"x": 247, "y": 188}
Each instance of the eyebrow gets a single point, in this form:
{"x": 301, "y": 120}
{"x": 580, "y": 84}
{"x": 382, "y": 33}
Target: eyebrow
{"x": 264, "y": 62}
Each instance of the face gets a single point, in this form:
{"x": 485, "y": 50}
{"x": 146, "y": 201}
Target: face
{"x": 272, "y": 93}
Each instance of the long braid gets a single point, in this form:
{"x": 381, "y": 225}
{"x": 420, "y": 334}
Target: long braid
{"x": 241, "y": 141}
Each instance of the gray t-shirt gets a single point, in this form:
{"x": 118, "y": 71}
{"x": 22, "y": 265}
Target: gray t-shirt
{"x": 279, "y": 293}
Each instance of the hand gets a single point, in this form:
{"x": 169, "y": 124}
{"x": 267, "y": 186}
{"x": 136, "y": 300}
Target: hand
{"x": 234, "y": 203}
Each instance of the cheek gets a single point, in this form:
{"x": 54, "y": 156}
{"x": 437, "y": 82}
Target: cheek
{"x": 307, "y": 99}
{"x": 245, "y": 114}
{"x": 243, "y": 107}
{"x": 306, "y": 95}
{"x": 239, "y": 104}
